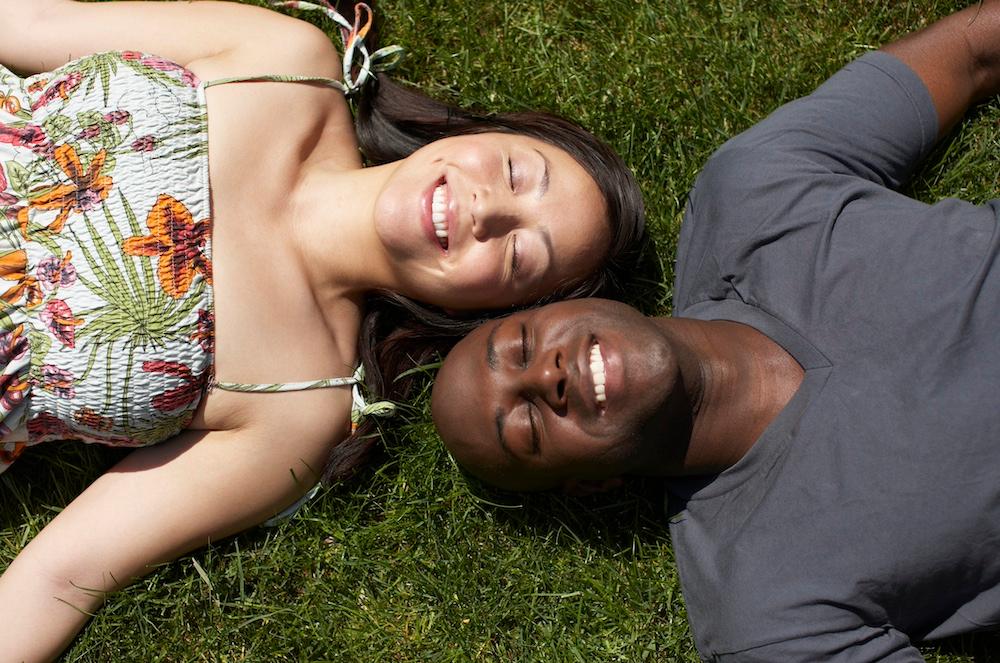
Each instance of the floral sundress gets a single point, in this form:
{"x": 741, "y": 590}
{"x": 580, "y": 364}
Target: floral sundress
{"x": 105, "y": 252}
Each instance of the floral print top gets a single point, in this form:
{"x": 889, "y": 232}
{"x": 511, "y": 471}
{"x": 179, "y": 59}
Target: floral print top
{"x": 106, "y": 311}
{"x": 106, "y": 315}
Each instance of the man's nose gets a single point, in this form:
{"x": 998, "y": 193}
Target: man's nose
{"x": 546, "y": 377}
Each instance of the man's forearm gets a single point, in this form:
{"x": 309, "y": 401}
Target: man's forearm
{"x": 958, "y": 58}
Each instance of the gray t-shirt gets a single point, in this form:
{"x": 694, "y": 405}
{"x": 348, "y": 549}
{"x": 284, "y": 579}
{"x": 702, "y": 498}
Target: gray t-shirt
{"x": 867, "y": 515}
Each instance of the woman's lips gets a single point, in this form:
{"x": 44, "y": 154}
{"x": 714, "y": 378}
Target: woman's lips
{"x": 435, "y": 217}
{"x": 439, "y": 214}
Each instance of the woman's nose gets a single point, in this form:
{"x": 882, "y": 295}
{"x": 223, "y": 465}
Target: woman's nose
{"x": 545, "y": 377}
{"x": 494, "y": 214}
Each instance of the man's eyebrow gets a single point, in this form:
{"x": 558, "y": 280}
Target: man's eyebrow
{"x": 498, "y": 419}
{"x": 491, "y": 350}
{"x": 543, "y": 186}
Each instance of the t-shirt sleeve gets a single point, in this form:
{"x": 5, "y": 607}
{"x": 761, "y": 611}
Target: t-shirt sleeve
{"x": 866, "y": 127}
{"x": 865, "y": 645}
{"x": 874, "y": 119}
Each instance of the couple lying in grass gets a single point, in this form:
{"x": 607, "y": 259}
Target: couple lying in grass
{"x": 226, "y": 329}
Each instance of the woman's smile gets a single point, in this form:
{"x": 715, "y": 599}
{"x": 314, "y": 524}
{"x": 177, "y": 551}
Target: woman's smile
{"x": 437, "y": 214}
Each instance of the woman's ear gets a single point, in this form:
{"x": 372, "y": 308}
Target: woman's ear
{"x": 585, "y": 487}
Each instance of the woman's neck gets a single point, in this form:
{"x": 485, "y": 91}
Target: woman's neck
{"x": 332, "y": 218}
{"x": 737, "y": 381}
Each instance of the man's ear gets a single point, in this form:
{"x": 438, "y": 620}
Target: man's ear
{"x": 584, "y": 487}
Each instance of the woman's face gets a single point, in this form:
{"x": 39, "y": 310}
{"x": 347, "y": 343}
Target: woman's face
{"x": 490, "y": 220}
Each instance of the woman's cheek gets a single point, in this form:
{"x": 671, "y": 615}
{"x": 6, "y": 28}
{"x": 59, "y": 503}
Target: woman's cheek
{"x": 479, "y": 274}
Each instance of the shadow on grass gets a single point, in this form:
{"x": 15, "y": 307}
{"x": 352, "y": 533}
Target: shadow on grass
{"x": 981, "y": 647}
{"x": 609, "y": 522}
{"x": 49, "y": 476}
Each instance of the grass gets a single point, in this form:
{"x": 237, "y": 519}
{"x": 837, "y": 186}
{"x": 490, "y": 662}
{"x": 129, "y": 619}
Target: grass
{"x": 411, "y": 562}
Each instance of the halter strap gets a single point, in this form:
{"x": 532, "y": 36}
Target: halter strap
{"x": 353, "y": 35}
{"x": 359, "y": 407}
{"x": 279, "y": 78}
{"x": 284, "y": 386}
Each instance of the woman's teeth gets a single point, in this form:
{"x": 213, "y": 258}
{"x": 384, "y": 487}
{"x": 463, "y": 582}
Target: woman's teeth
{"x": 597, "y": 370}
{"x": 439, "y": 205}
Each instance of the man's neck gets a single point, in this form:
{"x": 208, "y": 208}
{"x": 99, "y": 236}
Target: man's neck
{"x": 735, "y": 382}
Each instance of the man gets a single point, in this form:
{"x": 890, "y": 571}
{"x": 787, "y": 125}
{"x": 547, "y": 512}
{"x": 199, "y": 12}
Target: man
{"x": 824, "y": 405}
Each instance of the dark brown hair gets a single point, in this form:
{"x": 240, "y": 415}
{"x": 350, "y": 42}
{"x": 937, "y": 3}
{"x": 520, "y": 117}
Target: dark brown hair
{"x": 397, "y": 333}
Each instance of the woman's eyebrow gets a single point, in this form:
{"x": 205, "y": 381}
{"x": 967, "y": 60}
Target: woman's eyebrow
{"x": 543, "y": 186}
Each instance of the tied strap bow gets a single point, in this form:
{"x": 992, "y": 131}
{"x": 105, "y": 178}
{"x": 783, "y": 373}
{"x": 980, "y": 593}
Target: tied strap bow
{"x": 358, "y": 63}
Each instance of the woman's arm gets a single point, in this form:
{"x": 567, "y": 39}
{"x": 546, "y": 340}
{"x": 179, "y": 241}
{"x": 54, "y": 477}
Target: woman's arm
{"x": 153, "y": 506}
{"x": 958, "y": 58}
{"x": 49, "y": 33}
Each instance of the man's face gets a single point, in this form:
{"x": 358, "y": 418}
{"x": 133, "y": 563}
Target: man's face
{"x": 555, "y": 394}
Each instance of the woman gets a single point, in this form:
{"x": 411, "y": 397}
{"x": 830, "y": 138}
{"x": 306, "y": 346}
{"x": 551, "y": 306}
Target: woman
{"x": 141, "y": 310}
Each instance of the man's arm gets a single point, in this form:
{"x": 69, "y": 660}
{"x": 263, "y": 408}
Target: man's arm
{"x": 957, "y": 58}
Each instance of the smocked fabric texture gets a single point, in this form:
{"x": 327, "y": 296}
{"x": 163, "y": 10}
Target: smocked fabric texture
{"x": 106, "y": 316}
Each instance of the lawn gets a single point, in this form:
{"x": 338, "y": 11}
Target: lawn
{"x": 411, "y": 561}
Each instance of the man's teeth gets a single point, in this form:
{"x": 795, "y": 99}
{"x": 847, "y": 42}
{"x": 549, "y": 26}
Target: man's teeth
{"x": 438, "y": 208}
{"x": 597, "y": 370}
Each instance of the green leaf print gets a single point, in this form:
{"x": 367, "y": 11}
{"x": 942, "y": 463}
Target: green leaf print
{"x": 40, "y": 344}
{"x": 136, "y": 309}
{"x": 154, "y": 75}
{"x": 88, "y": 118}
{"x": 149, "y": 282}
{"x": 189, "y": 134}
{"x": 109, "y": 163}
{"x": 99, "y": 66}
{"x": 110, "y": 138}
{"x": 17, "y": 178}
{"x": 57, "y": 127}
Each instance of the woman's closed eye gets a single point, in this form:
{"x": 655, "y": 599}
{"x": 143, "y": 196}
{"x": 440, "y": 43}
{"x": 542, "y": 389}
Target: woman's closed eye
{"x": 513, "y": 174}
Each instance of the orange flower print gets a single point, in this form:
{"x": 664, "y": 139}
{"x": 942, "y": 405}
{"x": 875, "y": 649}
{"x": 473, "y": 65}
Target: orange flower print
{"x": 60, "y": 89}
{"x": 91, "y": 419}
{"x": 178, "y": 241}
{"x": 87, "y": 188}
{"x": 13, "y": 267}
